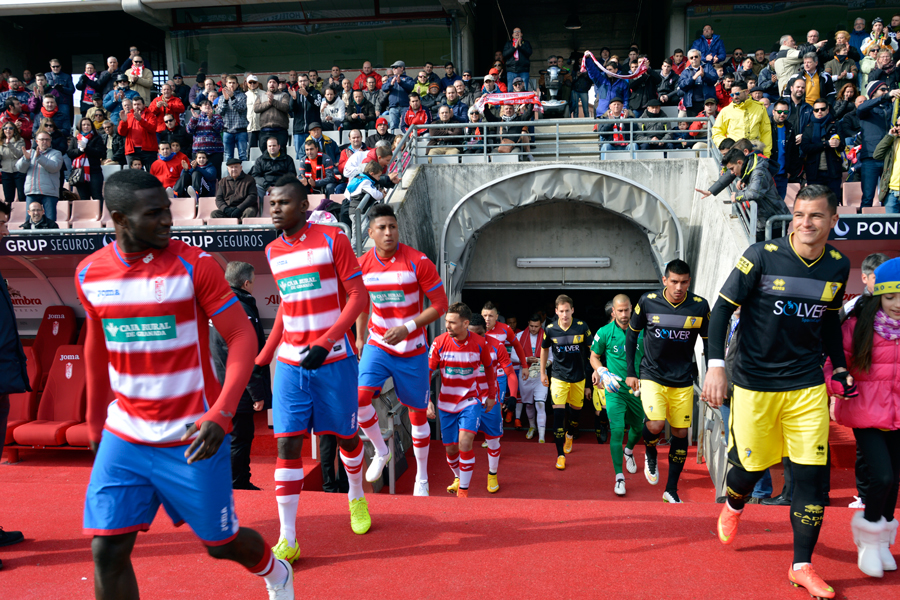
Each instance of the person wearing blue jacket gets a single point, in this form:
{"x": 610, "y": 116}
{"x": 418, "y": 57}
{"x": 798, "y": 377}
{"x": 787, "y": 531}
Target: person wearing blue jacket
{"x": 710, "y": 46}
{"x": 112, "y": 102}
{"x": 397, "y": 88}
{"x": 697, "y": 83}
{"x": 607, "y": 87}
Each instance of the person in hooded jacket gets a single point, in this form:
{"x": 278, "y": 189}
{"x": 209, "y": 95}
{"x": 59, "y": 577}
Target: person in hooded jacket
{"x": 821, "y": 147}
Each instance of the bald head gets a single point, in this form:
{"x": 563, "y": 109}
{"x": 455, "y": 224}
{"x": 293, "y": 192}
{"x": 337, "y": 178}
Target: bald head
{"x": 621, "y": 310}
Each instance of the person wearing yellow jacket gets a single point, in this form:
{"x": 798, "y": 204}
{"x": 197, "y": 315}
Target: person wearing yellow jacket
{"x": 743, "y": 118}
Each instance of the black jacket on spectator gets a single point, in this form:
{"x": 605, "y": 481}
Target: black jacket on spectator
{"x": 511, "y": 131}
{"x": 377, "y": 137}
{"x": 13, "y": 371}
{"x": 183, "y": 92}
{"x": 353, "y": 108}
{"x": 826, "y": 85}
{"x": 305, "y": 111}
{"x": 850, "y": 126}
{"x": 765, "y": 83}
{"x": 812, "y": 146}
{"x": 874, "y": 118}
{"x": 443, "y": 136}
{"x": 642, "y": 137}
{"x": 792, "y": 151}
{"x": 44, "y": 223}
{"x": 178, "y": 134}
{"x": 97, "y": 85}
{"x": 607, "y": 129}
{"x": 118, "y": 148}
{"x": 258, "y": 388}
{"x": 267, "y": 170}
{"x": 432, "y": 103}
{"x": 843, "y": 108}
{"x": 523, "y": 64}
{"x": 643, "y": 89}
{"x": 377, "y": 98}
{"x": 668, "y": 86}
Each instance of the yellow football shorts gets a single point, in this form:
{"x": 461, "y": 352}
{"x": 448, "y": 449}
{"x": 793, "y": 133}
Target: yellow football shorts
{"x": 672, "y": 404}
{"x": 599, "y": 397}
{"x": 768, "y": 425}
{"x": 563, "y": 392}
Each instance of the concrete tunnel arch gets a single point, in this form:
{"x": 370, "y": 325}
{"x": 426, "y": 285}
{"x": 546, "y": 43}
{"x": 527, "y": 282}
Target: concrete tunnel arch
{"x": 491, "y": 201}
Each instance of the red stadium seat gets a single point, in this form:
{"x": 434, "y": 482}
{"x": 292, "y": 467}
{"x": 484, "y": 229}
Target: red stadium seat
{"x": 257, "y": 221}
{"x": 23, "y": 407}
{"x": 183, "y": 208}
{"x": 63, "y": 404}
{"x": 57, "y": 329}
{"x": 19, "y": 214}
{"x": 873, "y": 210}
{"x": 77, "y": 435}
{"x": 188, "y": 222}
{"x": 84, "y": 210}
{"x": 792, "y": 190}
{"x": 205, "y": 207}
{"x": 852, "y": 193}
{"x": 63, "y": 211}
{"x": 221, "y": 221}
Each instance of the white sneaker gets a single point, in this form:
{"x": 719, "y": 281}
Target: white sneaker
{"x": 192, "y": 193}
{"x": 421, "y": 488}
{"x": 285, "y": 591}
{"x": 484, "y": 444}
{"x": 858, "y": 503}
{"x": 170, "y": 192}
{"x": 630, "y": 463}
{"x": 530, "y": 433}
{"x": 672, "y": 498}
{"x": 620, "y": 487}
{"x": 652, "y": 475}
{"x": 373, "y": 473}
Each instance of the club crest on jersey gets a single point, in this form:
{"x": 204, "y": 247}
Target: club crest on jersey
{"x": 836, "y": 255}
{"x": 55, "y": 327}
{"x": 651, "y": 296}
{"x": 148, "y": 258}
{"x": 159, "y": 289}
{"x": 69, "y": 368}
{"x": 399, "y": 278}
{"x": 309, "y": 257}
{"x": 771, "y": 247}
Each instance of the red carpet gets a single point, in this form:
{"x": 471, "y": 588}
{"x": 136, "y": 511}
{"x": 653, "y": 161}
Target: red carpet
{"x": 545, "y": 534}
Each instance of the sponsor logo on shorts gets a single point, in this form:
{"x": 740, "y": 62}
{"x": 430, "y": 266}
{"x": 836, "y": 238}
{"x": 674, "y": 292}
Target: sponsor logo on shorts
{"x": 820, "y": 450}
{"x": 299, "y": 283}
{"x": 140, "y": 329}
{"x": 388, "y": 296}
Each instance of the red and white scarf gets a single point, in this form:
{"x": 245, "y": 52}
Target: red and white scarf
{"x": 87, "y": 96}
{"x": 618, "y": 137}
{"x": 82, "y": 161}
{"x": 533, "y": 98}
{"x": 643, "y": 65}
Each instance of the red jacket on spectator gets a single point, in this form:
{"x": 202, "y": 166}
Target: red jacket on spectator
{"x": 173, "y": 107}
{"x": 723, "y": 96}
{"x": 168, "y": 171}
{"x": 360, "y": 82}
{"x": 139, "y": 133}
{"x": 680, "y": 66}
{"x": 417, "y": 117}
{"x": 25, "y": 124}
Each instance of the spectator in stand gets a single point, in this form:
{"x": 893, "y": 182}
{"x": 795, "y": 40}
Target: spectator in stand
{"x": 182, "y": 91}
{"x": 164, "y": 105}
{"x": 421, "y": 85}
{"x": 868, "y": 64}
{"x": 334, "y": 81}
{"x": 209, "y": 89}
{"x": 885, "y": 70}
{"x": 37, "y": 218}
{"x": 346, "y": 91}
{"x": 698, "y": 128}
{"x": 397, "y": 87}
{"x": 760, "y": 58}
{"x": 273, "y": 111}
{"x": 785, "y": 150}
{"x": 132, "y": 53}
{"x": 888, "y": 150}
{"x": 196, "y": 89}
{"x": 874, "y": 118}
{"x": 14, "y": 115}
{"x": 97, "y": 114}
{"x": 859, "y": 33}
{"x": 233, "y": 110}
{"x": 198, "y": 178}
{"x": 801, "y": 111}
{"x": 821, "y": 146}
{"x": 651, "y": 134}
{"x": 89, "y": 84}
{"x": 381, "y": 133}
{"x": 59, "y": 141}
{"x": 756, "y": 184}
{"x": 430, "y": 75}
{"x": 363, "y": 183}
{"x": 325, "y": 144}
{"x": 743, "y": 118}
{"x": 332, "y": 110}
{"x": 607, "y": 87}
{"x": 842, "y": 38}
{"x": 790, "y": 57}
{"x": 253, "y": 94}
{"x": 304, "y": 106}
{"x": 841, "y": 66}
{"x": 878, "y": 38}
{"x": 450, "y": 134}
{"x": 450, "y": 76}
{"x": 498, "y": 79}
{"x": 510, "y": 136}
{"x": 317, "y": 172}
{"x": 62, "y": 83}
{"x": 735, "y": 64}
{"x": 42, "y": 166}
{"x": 169, "y": 165}
{"x": 710, "y": 47}
{"x": 490, "y": 86}
{"x": 458, "y": 108}
{"x": 175, "y": 132}
{"x": 678, "y": 61}
{"x": 136, "y": 164}
{"x": 52, "y": 112}
{"x": 360, "y": 112}
{"x": 474, "y": 133}
{"x": 696, "y": 83}
{"x": 613, "y": 135}
{"x": 643, "y": 89}
{"x": 723, "y": 91}
{"x": 12, "y": 146}
{"x": 667, "y": 90}
{"x": 27, "y": 79}
{"x": 270, "y": 166}
{"x": 16, "y": 90}
{"x": 139, "y": 130}
{"x": 470, "y": 88}
{"x": 355, "y": 146}
{"x": 140, "y": 78}
{"x": 517, "y": 54}
{"x": 416, "y": 114}
{"x": 87, "y": 151}
{"x": 433, "y": 99}
{"x": 360, "y": 82}
{"x": 115, "y": 145}
{"x": 818, "y": 84}
{"x": 375, "y": 96}
{"x": 315, "y": 82}
{"x": 41, "y": 89}
{"x": 236, "y": 195}
{"x": 206, "y": 128}
{"x": 112, "y": 102}
{"x": 845, "y": 100}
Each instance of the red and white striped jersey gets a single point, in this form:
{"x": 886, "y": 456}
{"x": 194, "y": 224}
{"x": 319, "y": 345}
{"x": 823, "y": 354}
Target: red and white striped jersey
{"x": 459, "y": 363}
{"x": 397, "y": 289}
{"x": 309, "y": 270}
{"x": 500, "y": 358}
{"x": 504, "y": 334}
{"x": 155, "y": 312}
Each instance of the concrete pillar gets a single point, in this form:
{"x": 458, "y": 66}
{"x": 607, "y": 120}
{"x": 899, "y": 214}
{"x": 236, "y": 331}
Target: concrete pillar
{"x": 466, "y": 24}
{"x": 677, "y": 33}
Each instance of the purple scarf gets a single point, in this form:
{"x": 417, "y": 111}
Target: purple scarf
{"x": 886, "y": 327}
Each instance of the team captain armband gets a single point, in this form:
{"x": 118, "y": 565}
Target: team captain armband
{"x": 743, "y": 265}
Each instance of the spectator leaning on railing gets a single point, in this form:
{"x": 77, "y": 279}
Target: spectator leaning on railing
{"x": 449, "y": 134}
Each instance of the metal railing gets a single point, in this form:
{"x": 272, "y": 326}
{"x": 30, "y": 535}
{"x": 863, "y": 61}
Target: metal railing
{"x": 175, "y": 228}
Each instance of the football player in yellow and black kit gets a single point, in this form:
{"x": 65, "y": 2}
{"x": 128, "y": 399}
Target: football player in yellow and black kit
{"x": 790, "y": 291}
{"x": 569, "y": 339}
{"x": 672, "y": 319}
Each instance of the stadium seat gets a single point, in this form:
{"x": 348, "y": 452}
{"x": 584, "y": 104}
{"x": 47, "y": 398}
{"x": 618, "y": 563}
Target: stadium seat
{"x": 57, "y": 329}
{"x": 205, "y": 207}
{"x": 23, "y": 406}
{"x": 445, "y": 159}
{"x": 792, "y": 190}
{"x": 63, "y": 403}
{"x": 334, "y": 136}
{"x": 873, "y": 210}
{"x": 105, "y": 219}
{"x": 18, "y": 215}
{"x": 77, "y": 435}
{"x": 315, "y": 200}
{"x": 183, "y": 208}
{"x": 257, "y": 221}
{"x": 246, "y": 166}
{"x": 468, "y": 159}
{"x": 187, "y": 222}
{"x": 265, "y": 208}
{"x": 84, "y": 210}
{"x": 649, "y": 154}
{"x": 224, "y": 172}
{"x": 255, "y": 153}
{"x": 846, "y": 210}
{"x": 222, "y": 221}
{"x": 64, "y": 211}
{"x": 852, "y": 193}
{"x": 109, "y": 170}
{"x": 507, "y": 158}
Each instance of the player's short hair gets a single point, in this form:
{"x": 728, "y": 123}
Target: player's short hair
{"x": 414, "y": 95}
{"x": 733, "y": 155}
{"x": 739, "y": 84}
{"x": 563, "y": 299}
{"x": 812, "y": 56}
{"x": 477, "y": 320}
{"x": 872, "y": 262}
{"x": 490, "y": 306}
{"x": 535, "y": 318}
{"x": 120, "y": 189}
{"x": 816, "y": 191}
{"x": 381, "y": 210}
{"x": 678, "y": 266}
{"x": 461, "y": 309}
{"x": 290, "y": 181}
{"x": 781, "y": 101}
{"x": 237, "y": 273}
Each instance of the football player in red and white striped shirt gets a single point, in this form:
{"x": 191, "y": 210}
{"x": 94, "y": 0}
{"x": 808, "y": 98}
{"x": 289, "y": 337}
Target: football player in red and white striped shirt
{"x": 504, "y": 334}
{"x": 148, "y": 301}
{"x": 398, "y": 279}
{"x": 322, "y": 293}
{"x": 459, "y": 354}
